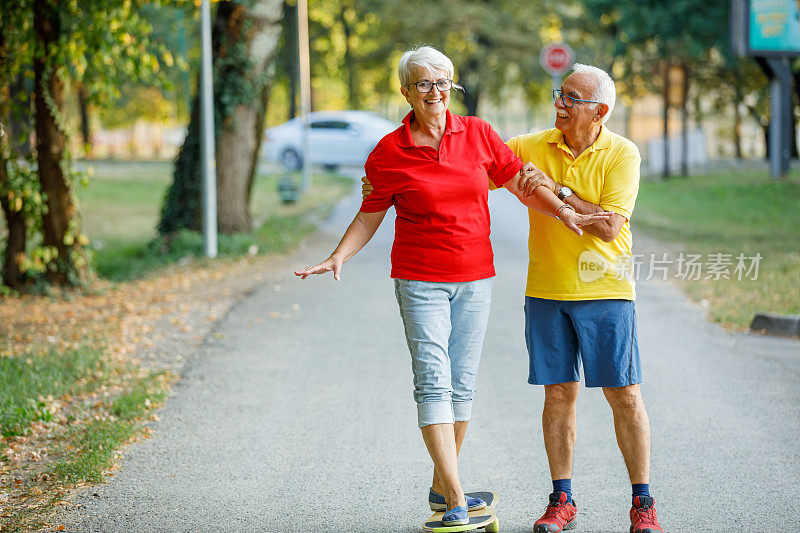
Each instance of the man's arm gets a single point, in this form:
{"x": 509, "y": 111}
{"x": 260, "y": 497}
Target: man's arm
{"x": 545, "y": 201}
{"x": 542, "y": 200}
{"x": 605, "y": 229}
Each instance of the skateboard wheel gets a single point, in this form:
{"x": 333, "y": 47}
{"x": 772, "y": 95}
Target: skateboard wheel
{"x": 494, "y": 527}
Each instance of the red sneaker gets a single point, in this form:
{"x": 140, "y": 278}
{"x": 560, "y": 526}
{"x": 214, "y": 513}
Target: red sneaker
{"x": 643, "y": 516}
{"x": 559, "y": 515}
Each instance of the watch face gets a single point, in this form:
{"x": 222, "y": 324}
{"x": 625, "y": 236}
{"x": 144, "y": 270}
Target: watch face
{"x": 564, "y": 192}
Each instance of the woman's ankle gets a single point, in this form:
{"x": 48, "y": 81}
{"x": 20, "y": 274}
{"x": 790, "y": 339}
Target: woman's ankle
{"x": 455, "y": 499}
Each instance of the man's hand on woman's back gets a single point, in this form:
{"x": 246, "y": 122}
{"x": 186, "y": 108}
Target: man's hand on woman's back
{"x": 366, "y": 187}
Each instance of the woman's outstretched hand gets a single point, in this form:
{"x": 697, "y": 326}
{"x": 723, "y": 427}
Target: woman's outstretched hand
{"x": 574, "y": 220}
{"x": 331, "y": 264}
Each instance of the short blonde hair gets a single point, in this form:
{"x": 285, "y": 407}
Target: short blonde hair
{"x": 425, "y": 58}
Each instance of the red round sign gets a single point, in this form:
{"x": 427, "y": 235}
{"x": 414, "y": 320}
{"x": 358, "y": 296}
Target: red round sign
{"x": 557, "y": 58}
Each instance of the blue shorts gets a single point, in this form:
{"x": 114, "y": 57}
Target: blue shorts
{"x": 598, "y": 334}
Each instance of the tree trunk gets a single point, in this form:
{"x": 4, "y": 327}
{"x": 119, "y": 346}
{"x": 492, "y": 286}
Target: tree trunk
{"x": 353, "y": 85}
{"x": 469, "y": 79}
{"x": 764, "y": 127}
{"x": 293, "y": 59}
{"x": 17, "y": 228}
{"x": 796, "y": 96}
{"x": 84, "y": 112}
{"x": 50, "y": 146}
{"x": 737, "y": 131}
{"x": 240, "y": 133}
{"x": 16, "y": 241}
{"x": 793, "y": 134}
{"x": 471, "y": 99}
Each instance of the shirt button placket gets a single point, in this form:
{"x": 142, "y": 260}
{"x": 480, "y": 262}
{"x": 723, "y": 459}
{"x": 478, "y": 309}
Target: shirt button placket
{"x": 569, "y": 177}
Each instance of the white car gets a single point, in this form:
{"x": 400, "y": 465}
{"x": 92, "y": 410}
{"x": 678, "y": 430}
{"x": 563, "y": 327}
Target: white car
{"x": 335, "y": 138}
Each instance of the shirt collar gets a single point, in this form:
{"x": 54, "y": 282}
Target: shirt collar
{"x": 602, "y": 142}
{"x": 455, "y": 124}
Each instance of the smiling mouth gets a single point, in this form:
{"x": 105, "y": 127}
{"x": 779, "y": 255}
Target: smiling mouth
{"x": 434, "y": 101}
{"x": 562, "y": 115}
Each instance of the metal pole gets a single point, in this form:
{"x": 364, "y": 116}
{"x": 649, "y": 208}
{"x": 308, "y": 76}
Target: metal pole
{"x": 305, "y": 87}
{"x": 788, "y": 134}
{"x": 207, "y": 140}
{"x": 665, "y": 171}
{"x": 684, "y": 122}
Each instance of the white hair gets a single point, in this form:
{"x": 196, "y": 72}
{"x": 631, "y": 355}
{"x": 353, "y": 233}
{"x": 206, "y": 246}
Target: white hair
{"x": 424, "y": 58}
{"x": 603, "y": 90}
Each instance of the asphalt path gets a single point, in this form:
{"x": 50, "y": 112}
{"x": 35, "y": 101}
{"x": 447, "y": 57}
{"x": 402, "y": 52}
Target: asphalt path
{"x": 297, "y": 415}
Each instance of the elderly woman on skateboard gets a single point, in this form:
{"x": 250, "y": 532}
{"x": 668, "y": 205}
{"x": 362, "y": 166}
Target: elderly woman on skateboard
{"x": 434, "y": 169}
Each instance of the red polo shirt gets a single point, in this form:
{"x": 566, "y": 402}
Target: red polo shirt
{"x": 442, "y": 225}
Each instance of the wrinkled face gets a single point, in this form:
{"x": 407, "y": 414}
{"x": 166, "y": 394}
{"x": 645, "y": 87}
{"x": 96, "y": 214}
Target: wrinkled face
{"x": 582, "y": 117}
{"x": 434, "y": 102}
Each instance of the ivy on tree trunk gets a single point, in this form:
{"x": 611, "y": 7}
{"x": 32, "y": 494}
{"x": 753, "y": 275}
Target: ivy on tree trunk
{"x": 60, "y": 218}
{"x": 243, "y": 42}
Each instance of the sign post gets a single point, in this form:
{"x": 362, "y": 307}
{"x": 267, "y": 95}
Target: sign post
{"x": 556, "y": 59}
{"x": 305, "y": 87}
{"x": 207, "y": 139}
{"x": 769, "y": 31}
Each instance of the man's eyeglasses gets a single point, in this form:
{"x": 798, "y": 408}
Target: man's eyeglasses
{"x": 569, "y": 101}
{"x": 426, "y": 86}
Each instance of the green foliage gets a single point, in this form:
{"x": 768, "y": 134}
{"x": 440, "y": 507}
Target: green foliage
{"x": 133, "y": 260}
{"x": 24, "y": 194}
{"x": 165, "y": 98}
{"x": 102, "y": 45}
{"x": 636, "y": 37}
{"x": 27, "y": 379}
{"x": 121, "y": 208}
{"x": 747, "y": 213}
{"x": 139, "y": 103}
{"x": 181, "y": 206}
{"x": 355, "y": 46}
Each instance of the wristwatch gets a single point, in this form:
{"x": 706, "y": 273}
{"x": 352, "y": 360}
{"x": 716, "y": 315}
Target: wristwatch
{"x": 564, "y": 192}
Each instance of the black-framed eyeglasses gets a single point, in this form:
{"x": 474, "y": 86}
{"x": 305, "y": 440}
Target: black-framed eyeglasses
{"x": 426, "y": 86}
{"x": 569, "y": 101}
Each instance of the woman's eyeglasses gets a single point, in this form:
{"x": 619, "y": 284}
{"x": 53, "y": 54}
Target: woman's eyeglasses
{"x": 426, "y": 86}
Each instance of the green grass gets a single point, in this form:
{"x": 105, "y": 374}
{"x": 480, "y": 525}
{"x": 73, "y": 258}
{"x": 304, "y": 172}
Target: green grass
{"x": 97, "y": 440}
{"x": 88, "y": 445}
{"x": 731, "y": 212}
{"x": 120, "y": 210}
{"x": 25, "y": 380}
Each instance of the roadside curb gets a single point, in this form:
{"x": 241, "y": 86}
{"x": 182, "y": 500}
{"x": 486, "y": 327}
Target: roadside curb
{"x": 771, "y": 324}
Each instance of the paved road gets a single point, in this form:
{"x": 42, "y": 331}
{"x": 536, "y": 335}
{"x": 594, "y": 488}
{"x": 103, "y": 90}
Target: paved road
{"x": 300, "y": 418}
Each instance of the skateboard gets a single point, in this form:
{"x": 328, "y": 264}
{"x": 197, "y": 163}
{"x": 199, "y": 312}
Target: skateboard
{"x": 482, "y": 518}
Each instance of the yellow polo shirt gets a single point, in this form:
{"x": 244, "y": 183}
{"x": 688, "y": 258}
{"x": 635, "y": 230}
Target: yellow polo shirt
{"x": 563, "y": 265}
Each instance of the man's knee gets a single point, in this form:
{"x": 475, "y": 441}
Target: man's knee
{"x": 562, "y": 393}
{"x": 628, "y": 398}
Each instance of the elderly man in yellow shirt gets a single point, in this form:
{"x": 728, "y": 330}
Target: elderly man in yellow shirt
{"x": 579, "y": 308}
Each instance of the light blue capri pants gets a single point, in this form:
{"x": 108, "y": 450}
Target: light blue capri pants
{"x": 445, "y": 324}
